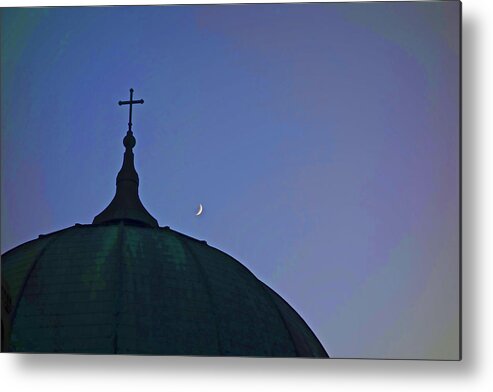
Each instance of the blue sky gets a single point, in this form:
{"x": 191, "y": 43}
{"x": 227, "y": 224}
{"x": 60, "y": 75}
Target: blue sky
{"x": 321, "y": 139}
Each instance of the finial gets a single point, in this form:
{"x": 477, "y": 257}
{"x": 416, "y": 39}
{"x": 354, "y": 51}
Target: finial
{"x": 129, "y": 140}
{"x": 126, "y": 204}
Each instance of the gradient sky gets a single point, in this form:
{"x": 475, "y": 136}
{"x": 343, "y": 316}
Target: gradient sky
{"x": 322, "y": 140}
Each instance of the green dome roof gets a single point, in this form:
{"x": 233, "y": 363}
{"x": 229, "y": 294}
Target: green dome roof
{"x": 127, "y": 288}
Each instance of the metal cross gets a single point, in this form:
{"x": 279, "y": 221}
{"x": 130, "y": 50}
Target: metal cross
{"x": 131, "y": 102}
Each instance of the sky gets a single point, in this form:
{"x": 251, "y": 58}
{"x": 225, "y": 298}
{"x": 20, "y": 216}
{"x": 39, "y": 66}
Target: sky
{"x": 321, "y": 139}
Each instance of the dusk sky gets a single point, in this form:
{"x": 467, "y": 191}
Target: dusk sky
{"x": 321, "y": 139}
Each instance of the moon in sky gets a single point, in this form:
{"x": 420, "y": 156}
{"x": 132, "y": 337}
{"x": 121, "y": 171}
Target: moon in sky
{"x": 199, "y": 212}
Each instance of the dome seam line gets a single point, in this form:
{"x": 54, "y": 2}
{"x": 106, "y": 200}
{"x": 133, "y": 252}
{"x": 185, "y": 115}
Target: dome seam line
{"x": 268, "y": 290}
{"x": 209, "y": 294}
{"x": 120, "y": 255}
{"x": 271, "y": 300}
{"x": 26, "y": 280}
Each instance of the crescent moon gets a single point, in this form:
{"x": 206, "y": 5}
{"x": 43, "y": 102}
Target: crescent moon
{"x": 199, "y": 212}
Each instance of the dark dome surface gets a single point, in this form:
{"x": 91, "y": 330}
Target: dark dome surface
{"x": 125, "y": 288}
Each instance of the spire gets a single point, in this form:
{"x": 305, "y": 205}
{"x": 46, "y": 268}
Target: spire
{"x": 126, "y": 204}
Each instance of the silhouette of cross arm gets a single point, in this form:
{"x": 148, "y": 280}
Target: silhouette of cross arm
{"x": 130, "y": 103}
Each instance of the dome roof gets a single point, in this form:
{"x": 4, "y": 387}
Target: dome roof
{"x": 128, "y": 288}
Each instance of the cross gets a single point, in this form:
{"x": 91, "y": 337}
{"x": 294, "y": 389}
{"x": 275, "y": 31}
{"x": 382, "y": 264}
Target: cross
{"x": 131, "y": 102}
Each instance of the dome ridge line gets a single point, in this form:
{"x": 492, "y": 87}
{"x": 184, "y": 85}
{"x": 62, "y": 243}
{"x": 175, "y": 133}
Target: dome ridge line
{"x": 273, "y": 293}
{"x": 273, "y": 303}
{"x": 118, "y": 301}
{"x": 207, "y": 288}
{"x": 26, "y": 280}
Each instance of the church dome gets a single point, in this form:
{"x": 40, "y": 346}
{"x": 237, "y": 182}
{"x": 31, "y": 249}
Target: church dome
{"x": 125, "y": 285}
{"x": 125, "y": 288}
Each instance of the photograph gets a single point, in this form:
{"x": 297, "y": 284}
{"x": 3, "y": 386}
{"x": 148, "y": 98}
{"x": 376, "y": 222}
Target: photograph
{"x": 232, "y": 180}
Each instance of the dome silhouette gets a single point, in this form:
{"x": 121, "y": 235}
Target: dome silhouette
{"x": 125, "y": 285}
{"x": 125, "y": 288}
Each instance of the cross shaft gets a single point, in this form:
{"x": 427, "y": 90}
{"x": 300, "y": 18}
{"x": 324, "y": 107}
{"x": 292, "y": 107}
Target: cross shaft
{"x": 130, "y": 103}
